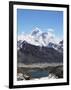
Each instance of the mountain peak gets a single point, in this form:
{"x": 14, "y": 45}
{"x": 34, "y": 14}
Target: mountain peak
{"x": 39, "y": 38}
{"x": 35, "y": 31}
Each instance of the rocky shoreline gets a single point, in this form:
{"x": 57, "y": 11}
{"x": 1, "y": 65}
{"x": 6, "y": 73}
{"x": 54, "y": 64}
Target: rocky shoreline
{"x": 25, "y": 73}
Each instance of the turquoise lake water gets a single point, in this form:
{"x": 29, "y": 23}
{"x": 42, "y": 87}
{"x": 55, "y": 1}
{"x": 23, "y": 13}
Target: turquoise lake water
{"x": 38, "y": 74}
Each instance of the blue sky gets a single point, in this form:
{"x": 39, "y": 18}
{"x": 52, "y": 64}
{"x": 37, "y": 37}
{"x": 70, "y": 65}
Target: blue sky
{"x": 28, "y": 19}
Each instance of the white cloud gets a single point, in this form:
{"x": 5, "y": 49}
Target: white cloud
{"x": 50, "y": 30}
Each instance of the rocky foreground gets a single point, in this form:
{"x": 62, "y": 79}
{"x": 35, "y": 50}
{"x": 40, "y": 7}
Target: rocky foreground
{"x": 25, "y": 73}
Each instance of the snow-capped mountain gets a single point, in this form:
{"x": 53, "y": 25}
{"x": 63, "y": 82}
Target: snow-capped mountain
{"x": 39, "y": 38}
{"x": 29, "y": 54}
{"x": 58, "y": 47}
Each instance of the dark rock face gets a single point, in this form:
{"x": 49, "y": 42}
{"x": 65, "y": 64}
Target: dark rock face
{"x": 29, "y": 54}
{"x": 19, "y": 43}
{"x": 61, "y": 42}
{"x": 60, "y": 48}
{"x": 52, "y": 45}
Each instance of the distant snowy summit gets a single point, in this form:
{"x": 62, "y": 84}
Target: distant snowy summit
{"x": 39, "y": 38}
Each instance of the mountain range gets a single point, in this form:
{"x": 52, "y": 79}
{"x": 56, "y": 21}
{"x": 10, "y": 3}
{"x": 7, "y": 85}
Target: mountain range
{"x": 39, "y": 48}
